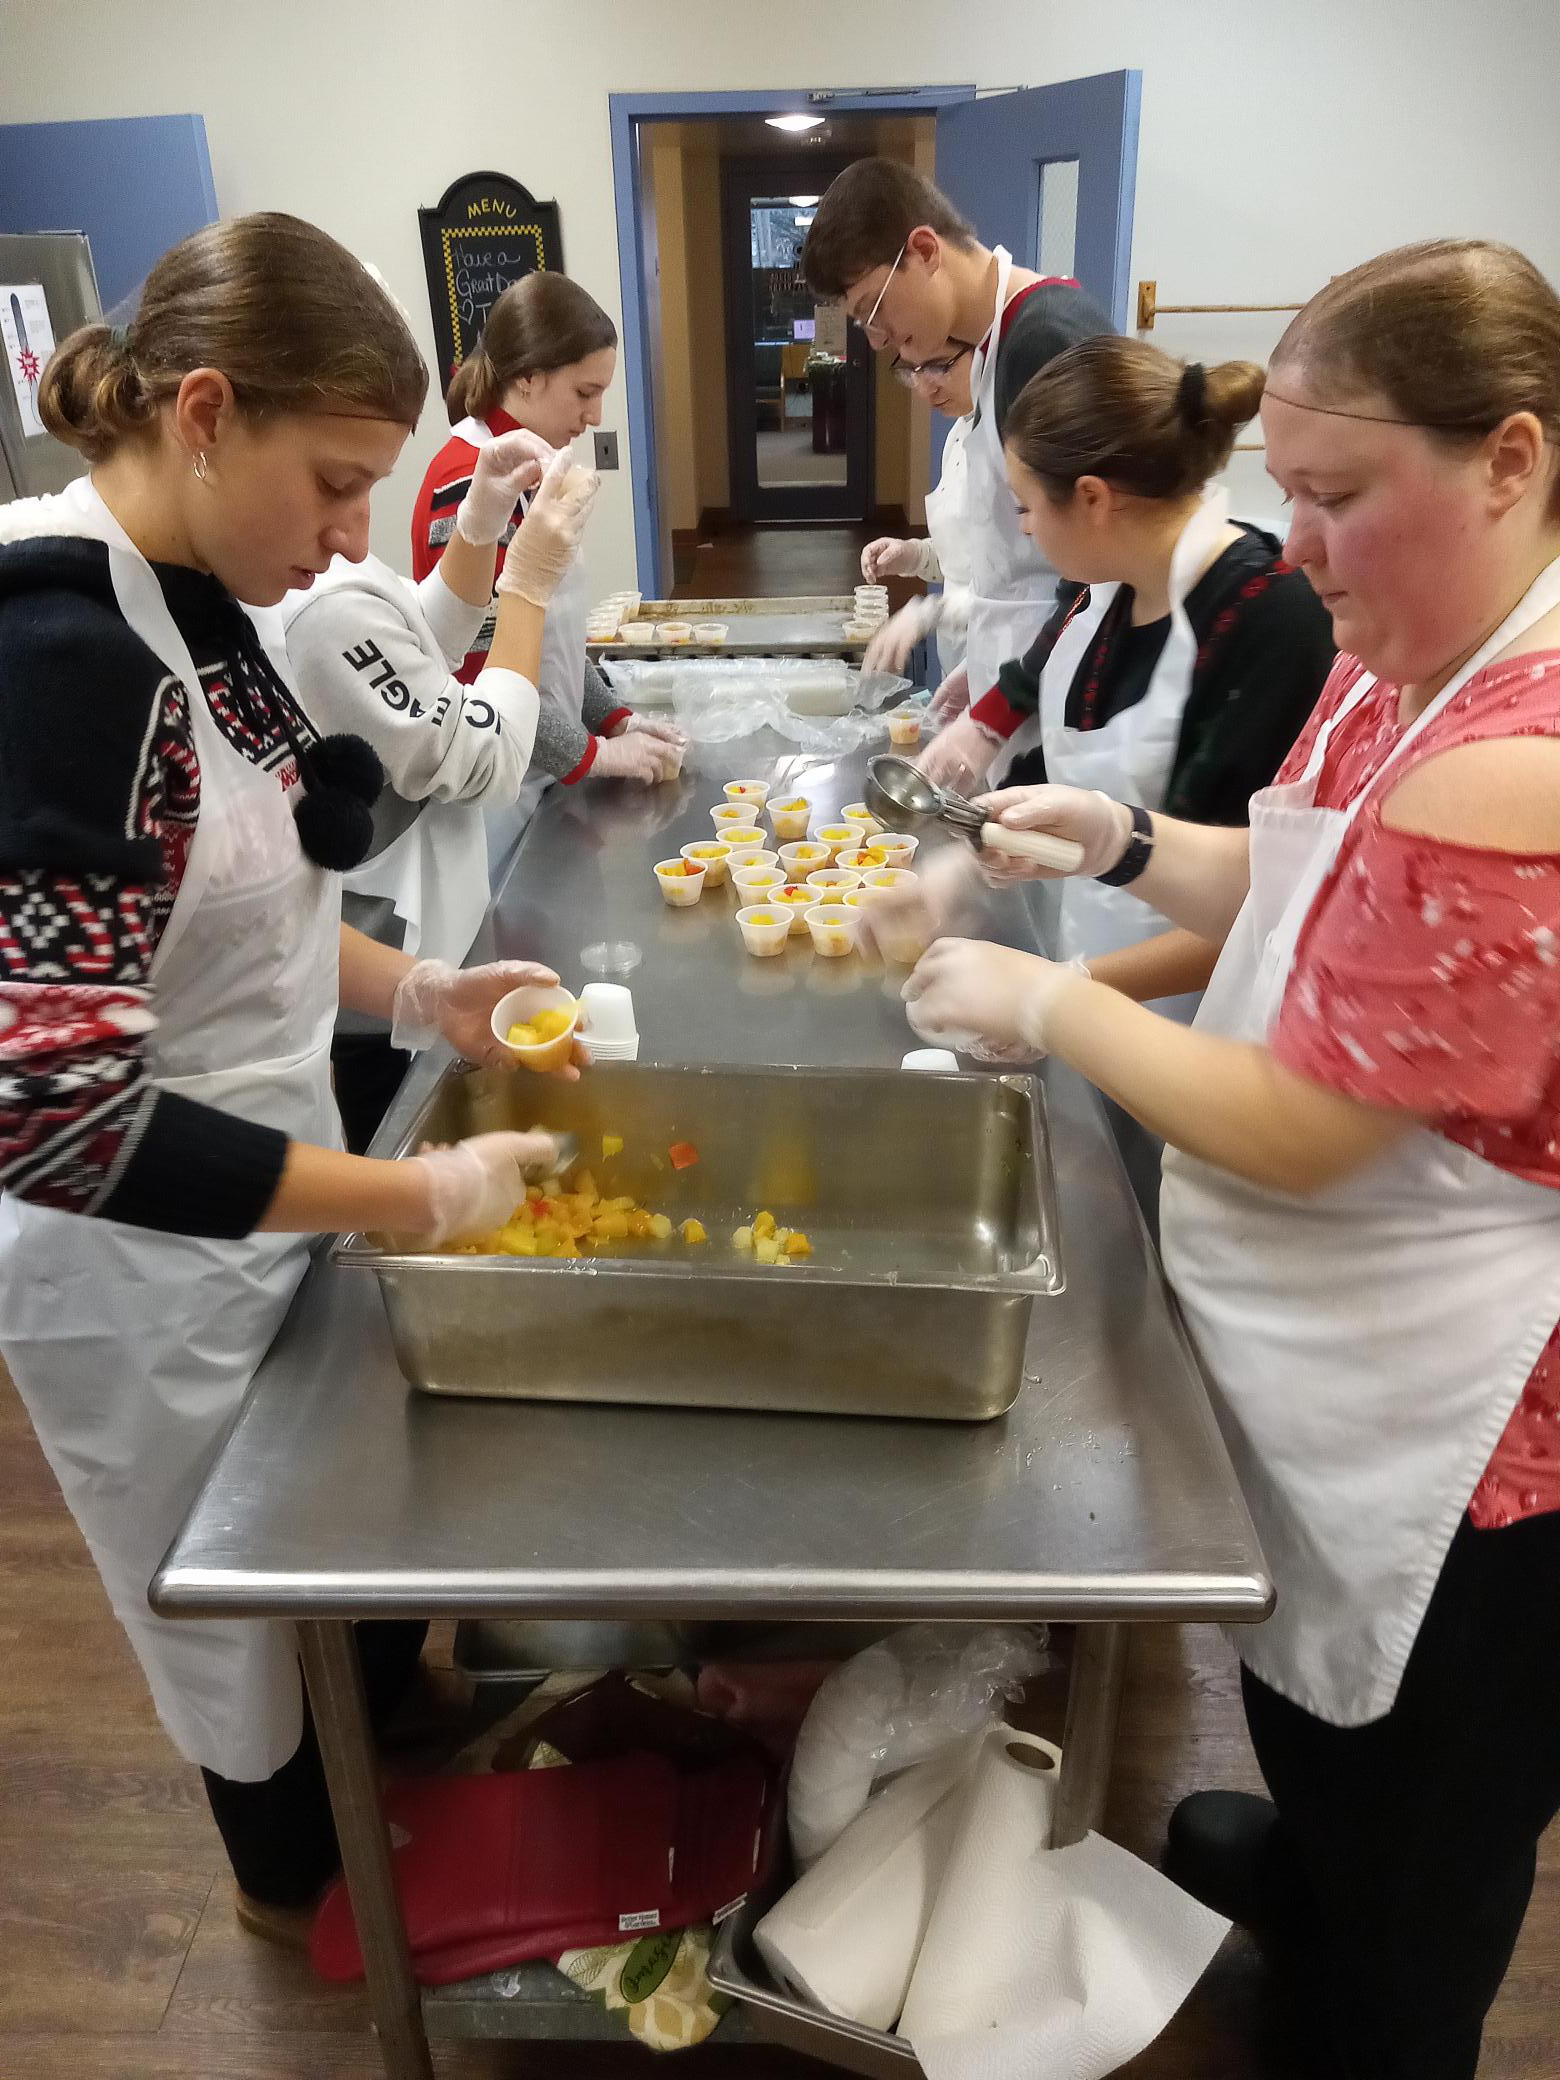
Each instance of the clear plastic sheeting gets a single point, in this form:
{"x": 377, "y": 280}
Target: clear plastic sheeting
{"x": 893, "y": 1705}
{"x": 820, "y": 703}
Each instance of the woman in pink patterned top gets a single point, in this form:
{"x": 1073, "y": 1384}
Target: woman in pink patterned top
{"x": 1361, "y": 1210}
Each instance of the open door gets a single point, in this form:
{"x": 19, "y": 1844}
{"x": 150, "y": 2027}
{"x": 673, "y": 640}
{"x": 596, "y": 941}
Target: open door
{"x": 1050, "y": 173}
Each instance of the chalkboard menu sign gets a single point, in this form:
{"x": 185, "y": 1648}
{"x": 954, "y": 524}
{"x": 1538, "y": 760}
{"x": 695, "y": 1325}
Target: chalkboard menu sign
{"x": 486, "y": 232}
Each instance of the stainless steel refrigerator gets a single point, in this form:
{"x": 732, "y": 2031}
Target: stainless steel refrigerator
{"x": 47, "y": 289}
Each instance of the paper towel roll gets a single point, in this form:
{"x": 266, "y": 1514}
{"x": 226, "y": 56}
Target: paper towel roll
{"x": 845, "y": 1937}
{"x": 1066, "y": 1962}
{"x": 1004, "y": 1823}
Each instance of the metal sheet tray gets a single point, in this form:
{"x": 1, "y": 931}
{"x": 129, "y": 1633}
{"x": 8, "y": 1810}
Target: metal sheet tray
{"x": 929, "y": 1200}
{"x": 801, "y": 624}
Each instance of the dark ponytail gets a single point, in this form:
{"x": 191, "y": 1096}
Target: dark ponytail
{"x": 1122, "y": 410}
{"x": 542, "y": 322}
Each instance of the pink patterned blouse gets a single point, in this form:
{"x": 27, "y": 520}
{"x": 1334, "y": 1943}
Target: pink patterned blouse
{"x": 1428, "y": 976}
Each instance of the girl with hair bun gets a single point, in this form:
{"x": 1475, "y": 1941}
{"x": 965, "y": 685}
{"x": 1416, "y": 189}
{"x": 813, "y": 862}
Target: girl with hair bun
{"x": 1361, "y": 1205}
{"x": 1184, "y": 655}
{"x": 172, "y": 831}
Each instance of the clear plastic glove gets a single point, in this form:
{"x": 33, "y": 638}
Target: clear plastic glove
{"x": 943, "y": 895}
{"x": 437, "y": 1001}
{"x": 960, "y": 756}
{"x": 639, "y": 725}
{"x": 637, "y": 756}
{"x": 545, "y": 541}
{"x": 890, "y": 648}
{"x": 1101, "y": 826}
{"x": 513, "y": 463}
{"x": 476, "y": 1185}
{"x": 889, "y": 557}
{"x": 983, "y": 999}
{"x": 952, "y": 697}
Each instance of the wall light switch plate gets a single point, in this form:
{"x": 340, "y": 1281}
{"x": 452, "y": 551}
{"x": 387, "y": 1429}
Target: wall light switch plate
{"x": 606, "y": 450}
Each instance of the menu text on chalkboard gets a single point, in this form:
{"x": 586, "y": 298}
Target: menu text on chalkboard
{"x": 485, "y": 232}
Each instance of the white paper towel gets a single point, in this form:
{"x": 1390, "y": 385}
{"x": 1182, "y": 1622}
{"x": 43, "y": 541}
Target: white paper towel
{"x": 1066, "y": 1962}
{"x": 846, "y": 1935}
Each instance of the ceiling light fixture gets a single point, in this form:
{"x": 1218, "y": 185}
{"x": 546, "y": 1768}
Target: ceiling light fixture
{"x": 793, "y": 122}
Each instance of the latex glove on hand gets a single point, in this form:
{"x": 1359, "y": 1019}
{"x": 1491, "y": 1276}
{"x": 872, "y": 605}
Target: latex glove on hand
{"x": 988, "y": 1001}
{"x": 434, "y": 1001}
{"x": 654, "y": 726}
{"x": 637, "y": 756}
{"x": 1101, "y": 826}
{"x": 960, "y": 756}
{"x": 889, "y": 557}
{"x": 889, "y": 650}
{"x": 476, "y": 1185}
{"x": 506, "y": 467}
{"x": 952, "y": 697}
{"x": 545, "y": 541}
{"x": 944, "y": 893}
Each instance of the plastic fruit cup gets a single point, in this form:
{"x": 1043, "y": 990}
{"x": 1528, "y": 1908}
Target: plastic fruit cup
{"x": 862, "y": 859}
{"x": 796, "y": 899}
{"x": 898, "y": 847}
{"x": 832, "y": 883}
{"x": 713, "y": 857}
{"x": 681, "y": 881}
{"x": 800, "y": 859}
{"x": 752, "y": 856}
{"x": 734, "y": 836}
{"x": 733, "y": 814}
{"x": 753, "y": 884}
{"x": 674, "y": 631}
{"x": 904, "y": 731}
{"x": 833, "y": 928}
{"x": 754, "y": 791}
{"x": 789, "y": 820}
{"x": 838, "y": 837}
{"x": 858, "y": 812}
{"x": 890, "y": 877}
{"x": 764, "y": 930}
{"x": 519, "y": 1007}
{"x": 900, "y": 932}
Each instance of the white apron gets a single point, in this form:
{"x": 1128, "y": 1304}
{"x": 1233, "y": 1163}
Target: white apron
{"x": 133, "y": 1350}
{"x": 1131, "y": 757}
{"x": 1365, "y": 1347}
{"x": 947, "y": 522}
{"x": 562, "y": 676}
{"x": 1011, "y": 584}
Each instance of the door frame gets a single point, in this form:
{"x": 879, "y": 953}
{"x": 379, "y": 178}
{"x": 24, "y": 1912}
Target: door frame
{"x": 751, "y": 500}
{"x": 625, "y": 114}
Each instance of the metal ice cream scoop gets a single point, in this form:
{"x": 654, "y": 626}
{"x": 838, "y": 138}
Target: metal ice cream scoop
{"x": 900, "y": 795}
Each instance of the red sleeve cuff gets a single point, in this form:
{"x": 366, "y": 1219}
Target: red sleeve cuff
{"x": 614, "y": 721}
{"x": 992, "y": 712}
{"x": 585, "y": 763}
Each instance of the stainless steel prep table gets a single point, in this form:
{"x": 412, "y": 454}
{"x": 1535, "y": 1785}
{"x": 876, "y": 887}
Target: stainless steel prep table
{"x": 1104, "y": 1495}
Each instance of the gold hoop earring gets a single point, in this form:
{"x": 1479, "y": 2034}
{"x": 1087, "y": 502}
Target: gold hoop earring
{"x": 199, "y": 465}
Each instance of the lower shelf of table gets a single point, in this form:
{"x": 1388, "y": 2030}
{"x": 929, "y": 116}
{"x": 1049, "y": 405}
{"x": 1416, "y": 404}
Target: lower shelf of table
{"x": 546, "y": 2004}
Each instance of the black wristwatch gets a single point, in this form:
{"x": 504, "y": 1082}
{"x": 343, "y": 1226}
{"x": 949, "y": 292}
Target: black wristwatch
{"x": 1140, "y": 850}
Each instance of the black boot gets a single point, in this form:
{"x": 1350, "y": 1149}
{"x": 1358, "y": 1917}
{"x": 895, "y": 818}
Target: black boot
{"x": 1229, "y": 1849}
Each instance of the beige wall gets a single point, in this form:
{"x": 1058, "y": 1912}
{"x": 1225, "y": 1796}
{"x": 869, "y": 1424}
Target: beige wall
{"x": 706, "y": 324}
{"x": 1279, "y": 144}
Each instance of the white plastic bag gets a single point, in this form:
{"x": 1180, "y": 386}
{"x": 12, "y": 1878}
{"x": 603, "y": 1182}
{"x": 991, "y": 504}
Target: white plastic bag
{"x": 894, "y": 1704}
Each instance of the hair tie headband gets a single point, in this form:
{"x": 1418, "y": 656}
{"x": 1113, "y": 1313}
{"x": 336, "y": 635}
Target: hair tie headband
{"x": 1192, "y": 395}
{"x": 119, "y": 337}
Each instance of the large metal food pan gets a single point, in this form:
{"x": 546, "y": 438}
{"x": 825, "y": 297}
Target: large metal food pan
{"x": 929, "y": 1202}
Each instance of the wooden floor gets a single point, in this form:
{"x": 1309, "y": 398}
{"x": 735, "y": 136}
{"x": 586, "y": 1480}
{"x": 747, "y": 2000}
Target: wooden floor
{"x": 120, "y": 1958}
{"x": 768, "y": 562}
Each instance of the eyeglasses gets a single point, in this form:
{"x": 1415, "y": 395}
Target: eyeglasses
{"x": 868, "y": 324}
{"x": 910, "y": 372}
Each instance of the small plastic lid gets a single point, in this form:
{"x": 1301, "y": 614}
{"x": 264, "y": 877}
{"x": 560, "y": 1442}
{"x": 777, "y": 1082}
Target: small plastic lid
{"x": 932, "y": 1060}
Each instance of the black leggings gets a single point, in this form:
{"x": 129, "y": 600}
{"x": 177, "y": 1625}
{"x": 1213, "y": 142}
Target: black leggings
{"x": 279, "y": 1835}
{"x": 1412, "y": 1841}
{"x": 367, "y": 1072}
